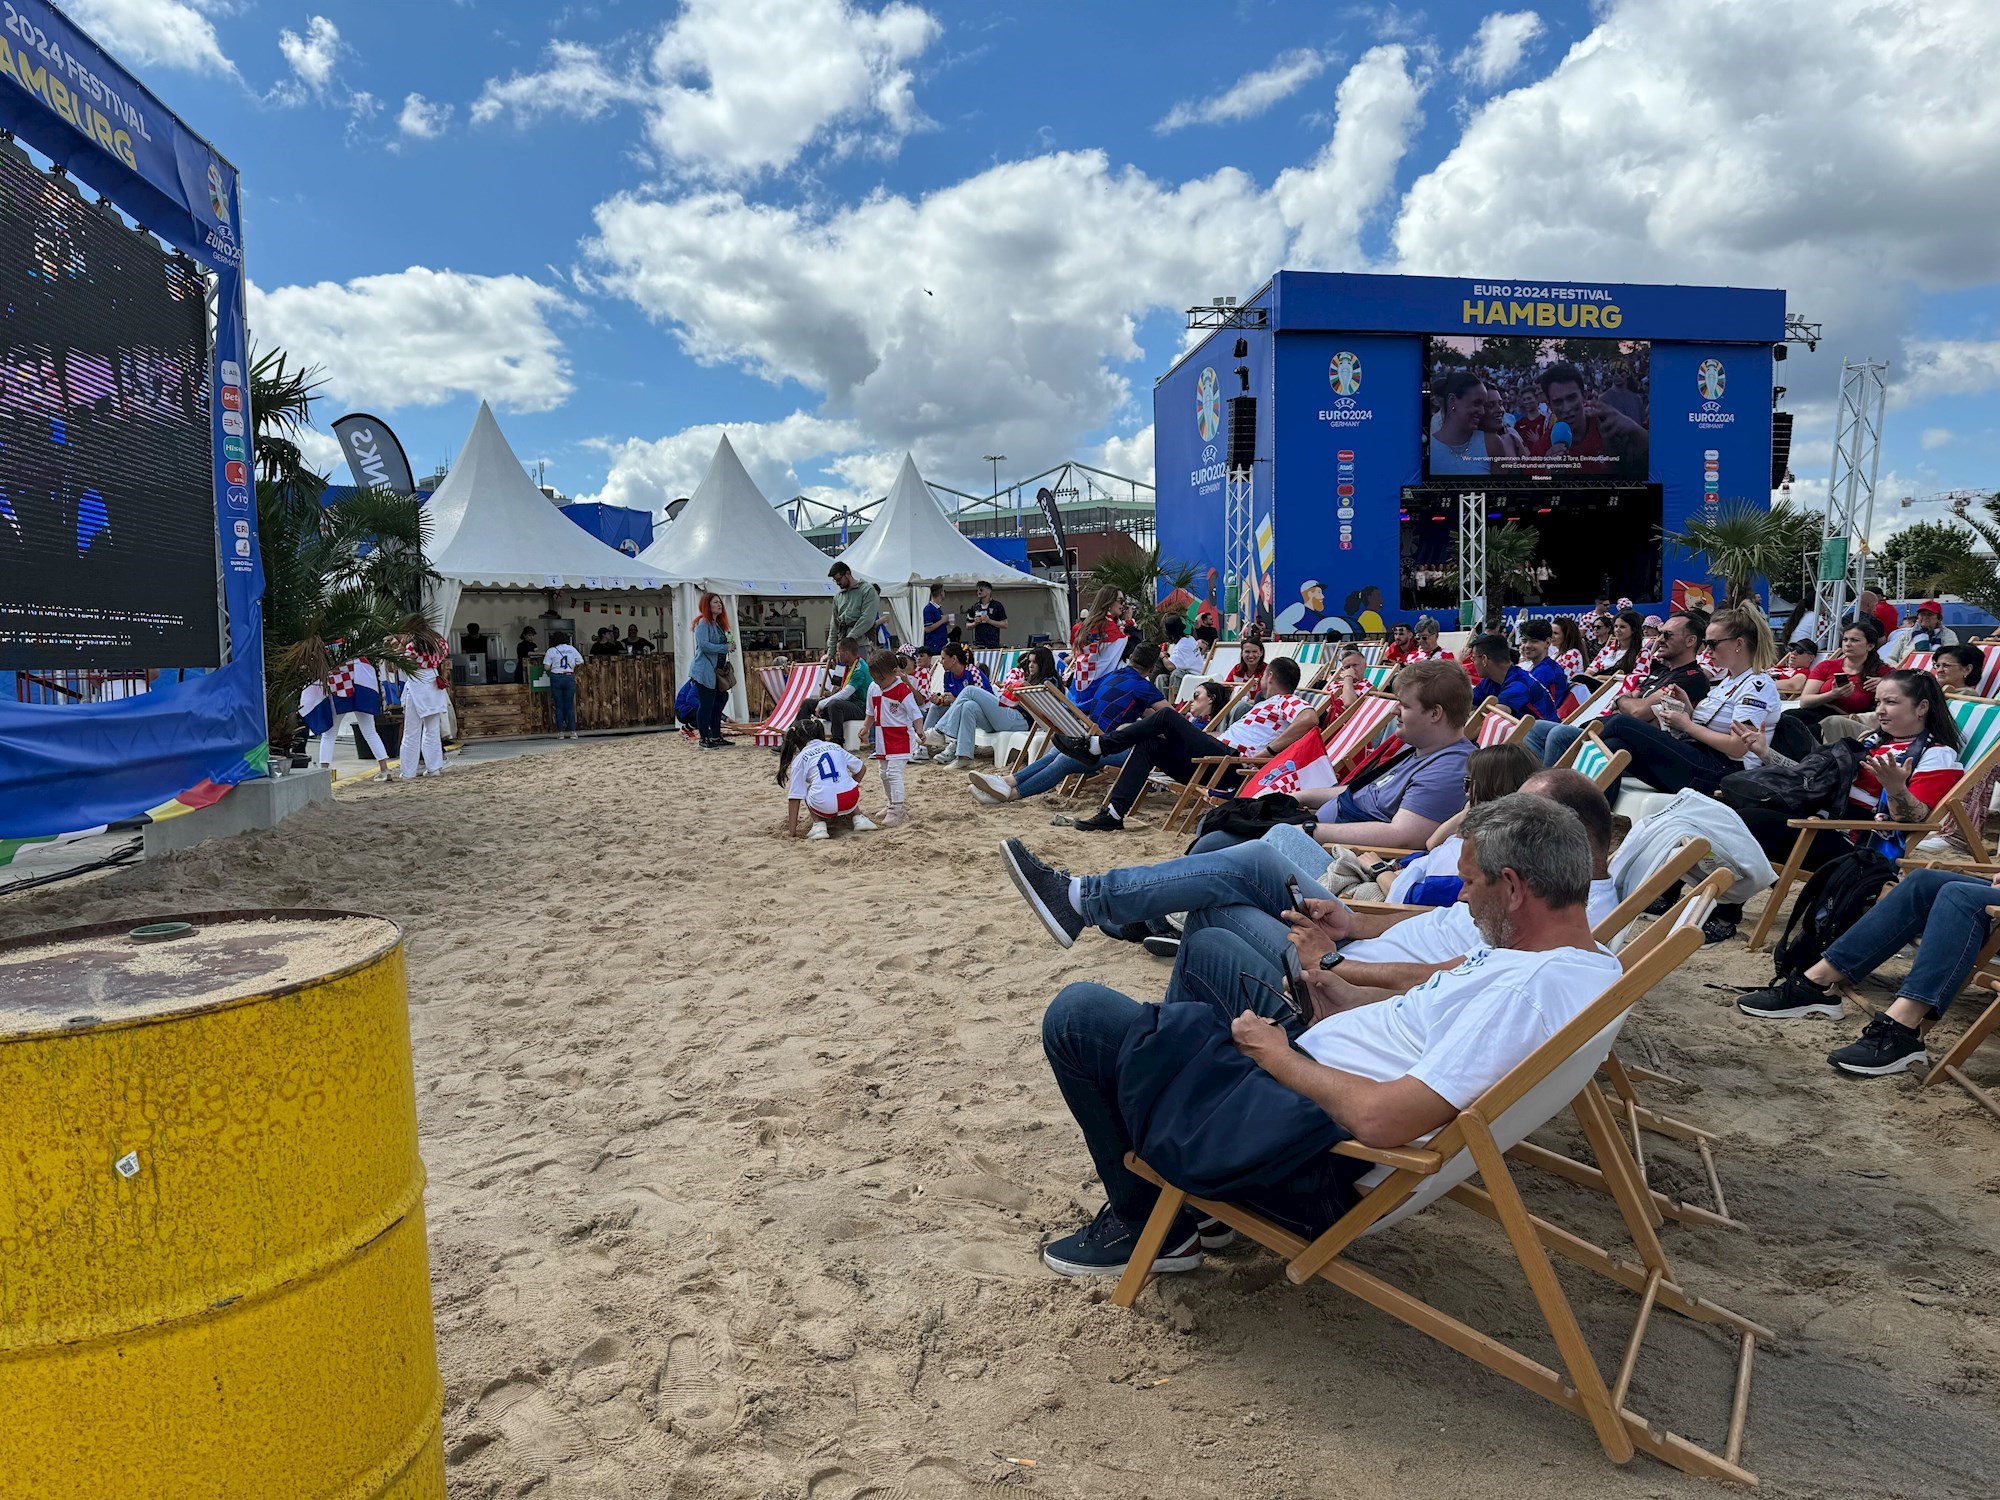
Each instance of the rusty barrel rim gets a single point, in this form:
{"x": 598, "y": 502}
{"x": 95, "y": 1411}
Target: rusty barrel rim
{"x": 393, "y": 939}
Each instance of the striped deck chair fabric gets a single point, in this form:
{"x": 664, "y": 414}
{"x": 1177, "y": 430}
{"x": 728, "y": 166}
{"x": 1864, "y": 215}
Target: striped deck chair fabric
{"x": 1989, "y": 675}
{"x": 774, "y": 679}
{"x": 1496, "y": 726}
{"x": 1380, "y": 677}
{"x": 799, "y": 687}
{"x": 998, "y": 663}
{"x": 1919, "y": 661}
{"x": 1311, "y": 653}
{"x": 1589, "y": 757}
{"x": 1356, "y": 729}
{"x": 1373, "y": 654}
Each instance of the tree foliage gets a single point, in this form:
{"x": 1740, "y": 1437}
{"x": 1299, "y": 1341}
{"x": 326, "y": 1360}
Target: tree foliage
{"x": 1144, "y": 577}
{"x": 1973, "y": 575}
{"x": 1511, "y": 566}
{"x": 1928, "y": 550}
{"x": 340, "y": 580}
{"x": 1746, "y": 542}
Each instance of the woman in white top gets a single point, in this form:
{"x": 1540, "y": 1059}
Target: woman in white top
{"x": 1692, "y": 744}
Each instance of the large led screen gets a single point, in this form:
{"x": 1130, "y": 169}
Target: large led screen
{"x": 1518, "y": 407}
{"x": 1588, "y": 544}
{"x": 107, "y": 510}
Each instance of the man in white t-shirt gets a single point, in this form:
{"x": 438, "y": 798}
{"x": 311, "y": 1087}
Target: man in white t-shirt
{"x": 560, "y": 661}
{"x": 1384, "y": 1074}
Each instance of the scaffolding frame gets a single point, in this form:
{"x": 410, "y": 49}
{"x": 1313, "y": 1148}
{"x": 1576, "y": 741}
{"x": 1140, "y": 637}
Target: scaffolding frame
{"x": 1850, "y": 489}
{"x": 1472, "y": 557}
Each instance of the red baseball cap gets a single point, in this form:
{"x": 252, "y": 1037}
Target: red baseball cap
{"x": 1931, "y": 607}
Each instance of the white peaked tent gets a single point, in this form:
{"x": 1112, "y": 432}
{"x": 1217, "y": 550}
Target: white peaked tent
{"x": 911, "y": 544}
{"x": 730, "y": 542}
{"x": 491, "y": 528}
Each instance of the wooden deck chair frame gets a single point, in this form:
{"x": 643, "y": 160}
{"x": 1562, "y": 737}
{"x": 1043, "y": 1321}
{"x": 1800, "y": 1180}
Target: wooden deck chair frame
{"x": 1407, "y": 1179}
{"x": 1952, "y": 1064}
{"x": 800, "y": 685}
{"x": 1208, "y": 770}
{"x": 1605, "y": 777}
{"x": 1592, "y": 707}
{"x": 1951, "y": 807}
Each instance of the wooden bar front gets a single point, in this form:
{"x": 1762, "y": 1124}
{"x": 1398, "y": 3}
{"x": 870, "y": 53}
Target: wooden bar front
{"x": 615, "y": 692}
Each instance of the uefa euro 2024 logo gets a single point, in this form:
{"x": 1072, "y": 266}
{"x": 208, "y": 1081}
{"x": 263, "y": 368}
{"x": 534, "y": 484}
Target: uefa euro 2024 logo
{"x": 218, "y": 201}
{"x": 1709, "y": 380}
{"x": 1208, "y": 405}
{"x": 1344, "y": 374}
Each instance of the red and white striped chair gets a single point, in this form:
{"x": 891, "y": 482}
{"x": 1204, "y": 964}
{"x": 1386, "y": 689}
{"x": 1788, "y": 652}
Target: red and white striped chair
{"x": 1356, "y": 729}
{"x": 799, "y": 688}
{"x": 1493, "y": 725}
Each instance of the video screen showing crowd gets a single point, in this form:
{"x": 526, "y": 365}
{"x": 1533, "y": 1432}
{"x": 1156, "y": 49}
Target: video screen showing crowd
{"x": 107, "y": 501}
{"x": 1525, "y": 407}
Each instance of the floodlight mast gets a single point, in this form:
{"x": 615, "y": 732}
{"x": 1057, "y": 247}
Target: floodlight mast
{"x": 1850, "y": 490}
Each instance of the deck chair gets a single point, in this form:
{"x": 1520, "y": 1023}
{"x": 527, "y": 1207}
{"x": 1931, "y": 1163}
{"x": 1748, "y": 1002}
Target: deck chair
{"x": 1273, "y": 650}
{"x": 1989, "y": 674}
{"x": 1952, "y": 1064}
{"x": 1349, "y": 734}
{"x": 1586, "y": 703}
{"x": 1372, "y": 654}
{"x": 1918, "y": 661}
{"x": 1222, "y": 660}
{"x": 1493, "y": 725}
{"x": 1310, "y": 653}
{"x": 1588, "y": 756}
{"x": 1052, "y": 713}
{"x": 800, "y": 687}
{"x": 1379, "y": 677}
{"x": 1408, "y": 1179}
{"x": 1978, "y": 721}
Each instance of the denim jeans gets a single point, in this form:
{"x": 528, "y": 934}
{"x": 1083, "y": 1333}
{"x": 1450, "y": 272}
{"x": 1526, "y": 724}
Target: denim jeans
{"x": 1163, "y": 739}
{"x": 1666, "y": 761}
{"x": 1238, "y": 890}
{"x": 1549, "y": 741}
{"x": 976, "y": 709}
{"x": 1086, "y": 1025}
{"x": 1951, "y": 911}
{"x": 708, "y": 717}
{"x": 562, "y": 698}
{"x": 1052, "y": 770}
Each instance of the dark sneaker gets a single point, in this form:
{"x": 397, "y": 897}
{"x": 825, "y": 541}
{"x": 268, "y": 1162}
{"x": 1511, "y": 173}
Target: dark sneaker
{"x": 1215, "y": 1235}
{"x": 1666, "y": 902}
{"x": 1721, "y": 925}
{"x": 1790, "y": 997}
{"x": 1886, "y": 1046}
{"x": 1161, "y": 945}
{"x": 1104, "y": 821}
{"x": 1076, "y": 747}
{"x": 1045, "y": 889}
{"x": 1105, "y": 1247}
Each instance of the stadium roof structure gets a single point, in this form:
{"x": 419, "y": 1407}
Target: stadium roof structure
{"x": 911, "y": 543}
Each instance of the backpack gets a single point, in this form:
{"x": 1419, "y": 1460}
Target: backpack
{"x": 1832, "y": 901}
{"x": 1815, "y": 785}
{"x": 687, "y": 703}
{"x": 1251, "y": 819}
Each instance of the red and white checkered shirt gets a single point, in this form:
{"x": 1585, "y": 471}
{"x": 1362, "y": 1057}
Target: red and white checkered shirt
{"x": 1264, "y": 723}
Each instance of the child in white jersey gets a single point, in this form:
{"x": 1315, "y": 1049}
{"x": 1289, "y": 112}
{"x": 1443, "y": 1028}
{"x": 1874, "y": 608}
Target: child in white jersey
{"x": 822, "y": 777}
{"x": 897, "y": 714}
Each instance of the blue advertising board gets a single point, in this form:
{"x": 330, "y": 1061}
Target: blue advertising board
{"x": 1672, "y": 388}
{"x": 81, "y": 765}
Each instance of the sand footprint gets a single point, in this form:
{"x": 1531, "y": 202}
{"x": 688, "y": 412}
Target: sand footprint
{"x": 541, "y": 1445}
{"x": 700, "y": 1398}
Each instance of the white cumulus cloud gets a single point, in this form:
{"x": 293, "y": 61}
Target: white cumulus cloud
{"x": 313, "y": 55}
{"x": 647, "y": 474}
{"x": 422, "y": 118}
{"x": 1499, "y": 47}
{"x": 1935, "y": 437}
{"x": 420, "y": 337}
{"x": 1945, "y": 367}
{"x": 734, "y": 88}
{"x": 164, "y": 33}
{"x": 1328, "y": 201}
{"x": 1251, "y": 94}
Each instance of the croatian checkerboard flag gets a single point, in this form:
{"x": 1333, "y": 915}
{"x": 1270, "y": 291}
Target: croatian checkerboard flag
{"x": 1299, "y": 765}
{"x": 353, "y": 687}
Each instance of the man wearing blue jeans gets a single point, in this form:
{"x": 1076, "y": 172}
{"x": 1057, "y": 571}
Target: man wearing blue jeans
{"x": 1952, "y": 913}
{"x": 1384, "y": 1073}
{"x": 1674, "y": 665}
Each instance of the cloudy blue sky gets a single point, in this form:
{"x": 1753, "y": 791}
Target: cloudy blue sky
{"x": 843, "y": 228}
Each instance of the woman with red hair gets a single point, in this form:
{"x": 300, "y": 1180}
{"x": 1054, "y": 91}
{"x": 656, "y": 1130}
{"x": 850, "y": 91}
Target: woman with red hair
{"x": 711, "y": 649}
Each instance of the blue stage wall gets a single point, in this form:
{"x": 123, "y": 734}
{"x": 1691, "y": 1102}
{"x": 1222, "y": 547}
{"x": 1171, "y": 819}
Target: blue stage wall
{"x": 1312, "y": 440}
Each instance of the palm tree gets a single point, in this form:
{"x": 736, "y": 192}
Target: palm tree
{"x": 1746, "y": 542}
{"x": 1510, "y": 564}
{"x": 1144, "y": 578}
{"x": 340, "y": 580}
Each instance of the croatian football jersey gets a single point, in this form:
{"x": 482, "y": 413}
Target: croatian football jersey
{"x": 1264, "y": 723}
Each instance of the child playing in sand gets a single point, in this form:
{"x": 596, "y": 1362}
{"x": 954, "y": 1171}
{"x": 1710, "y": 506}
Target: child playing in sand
{"x": 822, "y": 777}
{"x": 897, "y": 713}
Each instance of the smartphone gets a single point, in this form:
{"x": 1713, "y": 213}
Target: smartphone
{"x": 1292, "y": 894}
{"x": 1297, "y": 996}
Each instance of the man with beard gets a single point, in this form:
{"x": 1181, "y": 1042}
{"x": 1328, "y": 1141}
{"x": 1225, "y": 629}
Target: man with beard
{"x": 1382, "y": 1072}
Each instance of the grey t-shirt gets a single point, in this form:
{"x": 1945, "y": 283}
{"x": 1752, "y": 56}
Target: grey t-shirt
{"x": 1430, "y": 784}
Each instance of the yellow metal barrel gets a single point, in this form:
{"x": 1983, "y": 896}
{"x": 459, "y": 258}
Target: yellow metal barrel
{"x": 213, "y": 1277}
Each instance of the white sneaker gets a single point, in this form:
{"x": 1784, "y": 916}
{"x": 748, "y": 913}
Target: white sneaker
{"x": 895, "y": 817}
{"x": 934, "y": 741}
{"x": 818, "y": 830}
{"x": 865, "y": 824}
{"x": 990, "y": 789}
{"x": 920, "y": 757}
{"x": 381, "y": 776}
{"x": 947, "y": 762}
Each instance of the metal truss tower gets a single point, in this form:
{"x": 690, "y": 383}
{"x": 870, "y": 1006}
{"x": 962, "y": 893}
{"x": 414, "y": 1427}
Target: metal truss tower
{"x": 1238, "y": 545}
{"x": 1850, "y": 490}
{"x": 1472, "y": 558}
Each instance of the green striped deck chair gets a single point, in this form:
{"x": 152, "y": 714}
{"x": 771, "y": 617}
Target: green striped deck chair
{"x": 1978, "y": 721}
{"x": 1589, "y": 757}
{"x": 1311, "y": 653}
{"x": 1379, "y": 677}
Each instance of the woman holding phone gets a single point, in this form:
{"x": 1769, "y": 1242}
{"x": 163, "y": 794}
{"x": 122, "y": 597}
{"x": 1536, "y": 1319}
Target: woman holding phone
{"x": 1845, "y": 684}
{"x": 1696, "y": 745}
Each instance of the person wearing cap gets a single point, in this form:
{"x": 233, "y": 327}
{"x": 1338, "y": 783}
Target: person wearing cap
{"x": 1928, "y": 635}
{"x": 1308, "y": 616}
{"x": 1790, "y": 672}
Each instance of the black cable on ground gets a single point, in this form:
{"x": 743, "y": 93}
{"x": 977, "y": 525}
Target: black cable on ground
{"x": 120, "y": 856}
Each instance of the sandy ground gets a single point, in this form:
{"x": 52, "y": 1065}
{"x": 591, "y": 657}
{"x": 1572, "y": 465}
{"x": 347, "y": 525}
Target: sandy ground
{"x": 741, "y": 1152}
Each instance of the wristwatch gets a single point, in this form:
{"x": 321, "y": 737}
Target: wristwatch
{"x": 1332, "y": 958}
